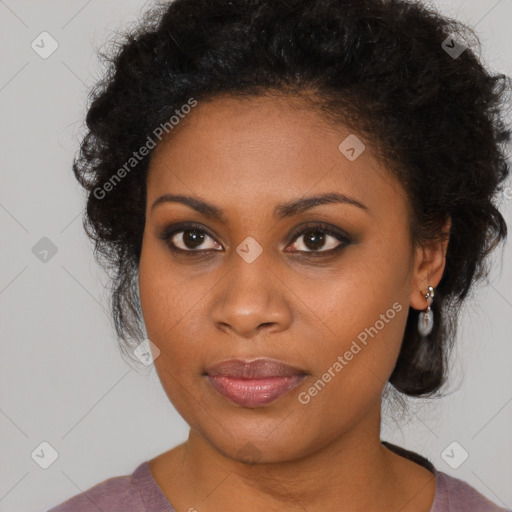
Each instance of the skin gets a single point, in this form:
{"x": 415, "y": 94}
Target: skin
{"x": 245, "y": 157}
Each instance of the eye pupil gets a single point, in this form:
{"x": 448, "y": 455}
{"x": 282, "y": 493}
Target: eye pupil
{"x": 312, "y": 239}
{"x": 193, "y": 237}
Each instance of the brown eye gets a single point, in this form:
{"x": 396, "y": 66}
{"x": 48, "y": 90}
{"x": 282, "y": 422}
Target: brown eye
{"x": 192, "y": 240}
{"x": 319, "y": 239}
{"x": 316, "y": 240}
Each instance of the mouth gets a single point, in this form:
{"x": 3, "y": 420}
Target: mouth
{"x": 255, "y": 383}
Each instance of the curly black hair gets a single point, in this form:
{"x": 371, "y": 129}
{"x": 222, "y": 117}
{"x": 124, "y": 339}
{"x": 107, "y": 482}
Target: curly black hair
{"x": 398, "y": 73}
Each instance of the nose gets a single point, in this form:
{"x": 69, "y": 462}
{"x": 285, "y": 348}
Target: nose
{"x": 251, "y": 300}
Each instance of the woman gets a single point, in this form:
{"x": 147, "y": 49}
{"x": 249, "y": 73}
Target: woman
{"x": 296, "y": 198}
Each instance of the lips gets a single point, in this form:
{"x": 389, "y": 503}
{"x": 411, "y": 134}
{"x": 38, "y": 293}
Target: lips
{"x": 255, "y": 383}
{"x": 257, "y": 369}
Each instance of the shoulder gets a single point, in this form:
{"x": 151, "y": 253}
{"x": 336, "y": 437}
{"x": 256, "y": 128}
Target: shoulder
{"x": 137, "y": 492}
{"x": 452, "y": 494}
{"x": 455, "y": 495}
{"x": 114, "y": 494}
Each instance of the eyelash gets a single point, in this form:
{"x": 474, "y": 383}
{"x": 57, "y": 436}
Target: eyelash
{"x": 168, "y": 233}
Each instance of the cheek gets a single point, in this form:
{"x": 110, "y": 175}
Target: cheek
{"x": 355, "y": 295}
{"x": 361, "y": 309}
{"x": 171, "y": 303}
{"x": 362, "y": 326}
{"x": 353, "y": 360}
{"x": 167, "y": 302}
{"x": 165, "y": 293}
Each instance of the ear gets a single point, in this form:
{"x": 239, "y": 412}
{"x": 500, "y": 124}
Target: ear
{"x": 429, "y": 264}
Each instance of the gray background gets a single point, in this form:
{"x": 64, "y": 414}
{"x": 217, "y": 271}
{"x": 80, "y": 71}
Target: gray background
{"x": 62, "y": 378}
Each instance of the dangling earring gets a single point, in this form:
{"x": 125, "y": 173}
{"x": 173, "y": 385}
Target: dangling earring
{"x": 426, "y": 318}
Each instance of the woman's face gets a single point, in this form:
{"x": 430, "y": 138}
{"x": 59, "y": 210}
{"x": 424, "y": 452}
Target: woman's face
{"x": 271, "y": 283}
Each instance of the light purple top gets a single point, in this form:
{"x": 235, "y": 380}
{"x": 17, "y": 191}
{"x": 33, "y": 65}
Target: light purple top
{"x": 139, "y": 492}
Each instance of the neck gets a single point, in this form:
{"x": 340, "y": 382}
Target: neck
{"x": 353, "y": 472}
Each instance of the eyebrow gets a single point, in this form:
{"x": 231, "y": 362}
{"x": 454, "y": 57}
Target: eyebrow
{"x": 281, "y": 211}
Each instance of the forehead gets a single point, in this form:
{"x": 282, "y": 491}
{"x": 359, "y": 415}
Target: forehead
{"x": 273, "y": 147}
